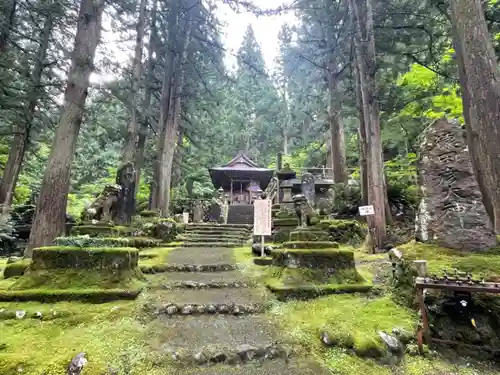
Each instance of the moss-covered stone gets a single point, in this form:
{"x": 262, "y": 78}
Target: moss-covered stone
{"x": 344, "y": 231}
{"x": 286, "y": 222}
{"x": 304, "y": 292}
{"x": 103, "y": 230}
{"x": 87, "y": 295}
{"x": 332, "y": 260}
{"x": 282, "y": 234}
{"x": 309, "y": 234}
{"x": 71, "y": 257}
{"x": 149, "y": 213}
{"x": 311, "y": 245}
{"x": 16, "y": 269}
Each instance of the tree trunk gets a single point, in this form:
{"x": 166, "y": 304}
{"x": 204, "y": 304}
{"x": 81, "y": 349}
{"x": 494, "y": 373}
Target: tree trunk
{"x": 9, "y": 12}
{"x": 23, "y": 129}
{"x": 337, "y": 142}
{"x": 130, "y": 146}
{"x": 479, "y": 78}
{"x": 177, "y": 172}
{"x": 143, "y": 130}
{"x": 363, "y": 143}
{"x": 362, "y": 13}
{"x": 172, "y": 125}
{"x": 51, "y": 206}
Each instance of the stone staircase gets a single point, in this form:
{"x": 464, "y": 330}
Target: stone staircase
{"x": 208, "y": 318}
{"x": 240, "y": 214}
{"x": 216, "y": 235}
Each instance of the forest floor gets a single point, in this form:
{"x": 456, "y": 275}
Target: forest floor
{"x": 125, "y": 337}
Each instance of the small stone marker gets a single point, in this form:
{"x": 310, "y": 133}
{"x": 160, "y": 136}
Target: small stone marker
{"x": 308, "y": 189}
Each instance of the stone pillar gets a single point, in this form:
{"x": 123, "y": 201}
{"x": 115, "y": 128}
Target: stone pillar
{"x": 287, "y": 195}
{"x": 308, "y": 188}
{"x": 197, "y": 212}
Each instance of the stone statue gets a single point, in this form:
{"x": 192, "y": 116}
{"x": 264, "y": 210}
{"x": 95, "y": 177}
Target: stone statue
{"x": 104, "y": 207}
{"x": 303, "y": 209}
{"x": 451, "y": 212}
{"x": 125, "y": 178}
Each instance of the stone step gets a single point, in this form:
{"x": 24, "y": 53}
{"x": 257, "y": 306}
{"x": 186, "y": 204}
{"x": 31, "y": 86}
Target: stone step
{"x": 219, "y": 267}
{"x": 228, "y": 277}
{"x": 217, "y": 229}
{"x": 222, "y": 331}
{"x": 201, "y": 255}
{"x": 172, "y": 309}
{"x": 212, "y": 244}
{"x": 213, "y": 225}
{"x": 280, "y": 366}
{"x": 225, "y": 296}
{"x": 212, "y": 239}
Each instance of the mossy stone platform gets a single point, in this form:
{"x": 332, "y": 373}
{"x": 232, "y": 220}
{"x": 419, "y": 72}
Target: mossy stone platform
{"x": 95, "y": 258}
{"x": 103, "y": 230}
{"x": 310, "y": 245}
{"x": 309, "y": 234}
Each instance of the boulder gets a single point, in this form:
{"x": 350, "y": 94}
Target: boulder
{"x": 451, "y": 212}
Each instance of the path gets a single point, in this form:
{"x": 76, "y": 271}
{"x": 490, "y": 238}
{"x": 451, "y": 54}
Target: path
{"x": 237, "y": 340}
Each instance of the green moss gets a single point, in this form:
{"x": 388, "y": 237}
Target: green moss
{"x": 152, "y": 257}
{"x": 78, "y": 279}
{"x": 46, "y": 347}
{"x": 102, "y": 230}
{"x": 57, "y": 295}
{"x": 149, "y": 213}
{"x": 16, "y": 268}
{"x": 286, "y": 222}
{"x": 310, "y": 245}
{"x": 309, "y": 234}
{"x": 56, "y": 257}
{"x": 479, "y": 264}
{"x": 87, "y": 241}
{"x": 344, "y": 231}
{"x": 350, "y": 320}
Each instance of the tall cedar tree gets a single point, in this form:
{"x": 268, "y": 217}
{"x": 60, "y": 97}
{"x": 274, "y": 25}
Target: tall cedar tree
{"x": 51, "y": 205}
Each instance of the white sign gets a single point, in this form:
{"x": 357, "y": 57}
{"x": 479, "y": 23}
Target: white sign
{"x": 185, "y": 217}
{"x": 262, "y": 217}
{"x": 366, "y": 210}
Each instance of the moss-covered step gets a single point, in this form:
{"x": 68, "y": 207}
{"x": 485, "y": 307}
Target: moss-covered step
{"x": 309, "y": 234}
{"x": 286, "y": 222}
{"x": 263, "y": 261}
{"x": 94, "y": 258}
{"x": 211, "y": 244}
{"x": 332, "y": 260}
{"x": 218, "y": 231}
{"x": 87, "y": 241}
{"x": 201, "y": 309}
{"x": 310, "y": 245}
{"x": 219, "y": 226}
{"x": 15, "y": 269}
{"x": 101, "y": 230}
{"x": 212, "y": 239}
{"x": 159, "y": 268}
{"x": 304, "y": 292}
{"x": 57, "y": 295}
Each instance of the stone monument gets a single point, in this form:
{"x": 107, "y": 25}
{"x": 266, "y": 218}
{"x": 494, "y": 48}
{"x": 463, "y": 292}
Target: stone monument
{"x": 198, "y": 212}
{"x": 451, "y": 212}
{"x": 125, "y": 206}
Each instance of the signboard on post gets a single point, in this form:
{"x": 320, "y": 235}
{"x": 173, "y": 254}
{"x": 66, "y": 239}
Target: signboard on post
{"x": 262, "y": 217}
{"x": 366, "y": 210}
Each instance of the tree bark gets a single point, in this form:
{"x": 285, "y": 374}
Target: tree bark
{"x": 23, "y": 128}
{"x": 9, "y": 11}
{"x": 51, "y": 206}
{"x": 172, "y": 125}
{"x": 130, "y": 146}
{"x": 479, "y": 79}
{"x": 362, "y": 16}
{"x": 337, "y": 140}
{"x": 143, "y": 130}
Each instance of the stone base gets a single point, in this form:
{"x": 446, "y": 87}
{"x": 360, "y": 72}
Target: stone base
{"x": 309, "y": 234}
{"x": 330, "y": 260}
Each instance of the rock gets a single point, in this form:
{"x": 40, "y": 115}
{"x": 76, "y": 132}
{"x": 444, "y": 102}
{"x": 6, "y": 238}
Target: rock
{"x": 187, "y": 310}
{"x": 224, "y": 309}
{"x": 14, "y": 260}
{"x": 392, "y": 343}
{"x": 211, "y": 309}
{"x": 326, "y": 339}
{"x": 172, "y": 309}
{"x": 201, "y": 309}
{"x": 403, "y": 335}
{"x": 236, "y": 310}
{"x": 77, "y": 363}
{"x": 218, "y": 357}
{"x": 246, "y": 352}
{"x": 451, "y": 212}
{"x": 200, "y": 358}
{"x": 256, "y": 249}
{"x": 20, "y": 314}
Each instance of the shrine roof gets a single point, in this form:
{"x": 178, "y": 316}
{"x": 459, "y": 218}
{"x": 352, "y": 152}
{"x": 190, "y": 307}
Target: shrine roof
{"x": 241, "y": 162}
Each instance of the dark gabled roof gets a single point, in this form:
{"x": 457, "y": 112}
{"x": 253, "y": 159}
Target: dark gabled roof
{"x": 241, "y": 161}
{"x": 241, "y": 166}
